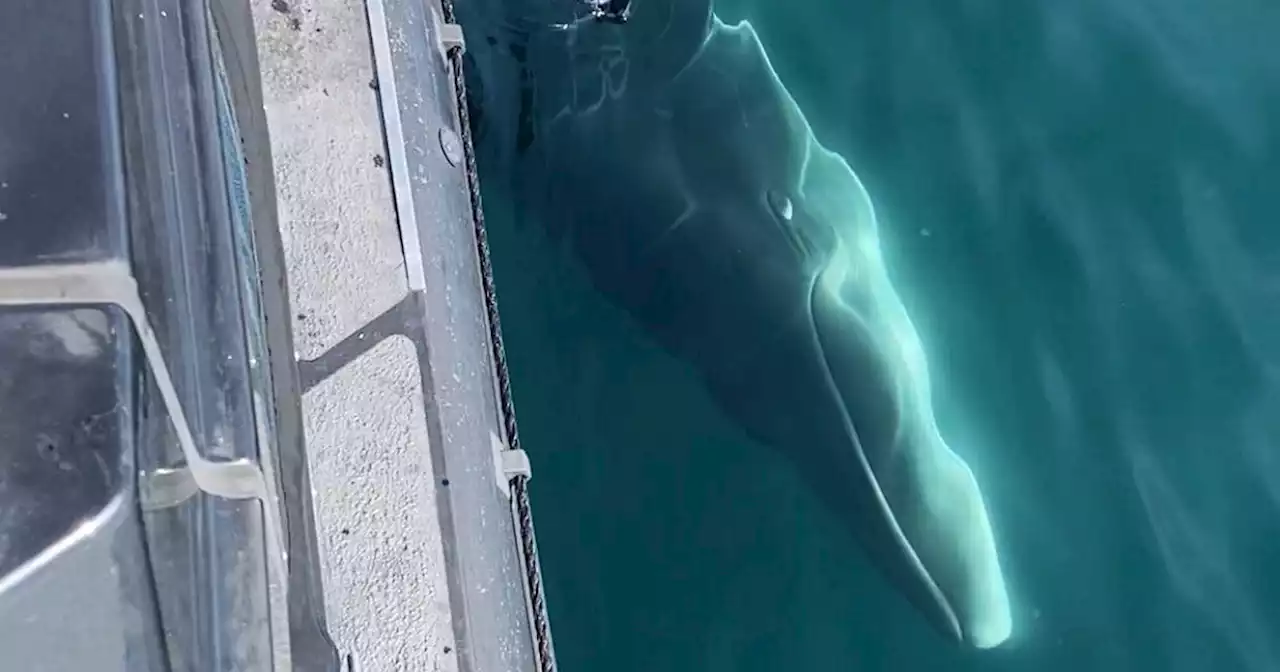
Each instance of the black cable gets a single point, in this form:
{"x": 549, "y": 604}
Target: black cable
{"x": 519, "y": 485}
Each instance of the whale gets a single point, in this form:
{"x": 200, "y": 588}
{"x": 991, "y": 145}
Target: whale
{"x": 693, "y": 190}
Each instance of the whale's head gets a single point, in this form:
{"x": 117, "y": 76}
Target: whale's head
{"x": 827, "y": 368}
{"x": 917, "y": 506}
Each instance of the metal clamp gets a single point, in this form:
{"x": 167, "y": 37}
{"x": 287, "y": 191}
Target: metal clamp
{"x": 508, "y": 464}
{"x": 112, "y": 283}
{"x": 448, "y": 36}
{"x": 166, "y": 488}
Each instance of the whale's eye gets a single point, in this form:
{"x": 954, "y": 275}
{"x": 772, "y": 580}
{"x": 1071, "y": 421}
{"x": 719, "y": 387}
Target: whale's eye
{"x": 796, "y": 237}
{"x": 780, "y": 204}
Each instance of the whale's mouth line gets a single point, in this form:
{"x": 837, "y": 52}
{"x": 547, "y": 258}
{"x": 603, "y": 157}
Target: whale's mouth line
{"x": 904, "y": 544}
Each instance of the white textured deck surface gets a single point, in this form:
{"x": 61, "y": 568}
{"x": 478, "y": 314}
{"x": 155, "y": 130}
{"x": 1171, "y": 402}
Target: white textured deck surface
{"x": 371, "y": 470}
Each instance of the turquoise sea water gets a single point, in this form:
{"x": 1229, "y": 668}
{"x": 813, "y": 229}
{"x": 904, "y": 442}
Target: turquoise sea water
{"x": 1078, "y": 206}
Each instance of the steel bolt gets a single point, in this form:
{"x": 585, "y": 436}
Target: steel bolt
{"x": 451, "y": 146}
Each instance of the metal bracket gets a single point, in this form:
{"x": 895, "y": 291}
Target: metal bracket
{"x": 508, "y": 464}
{"x": 112, "y": 283}
{"x": 167, "y": 488}
{"x": 448, "y": 36}
{"x": 515, "y": 464}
